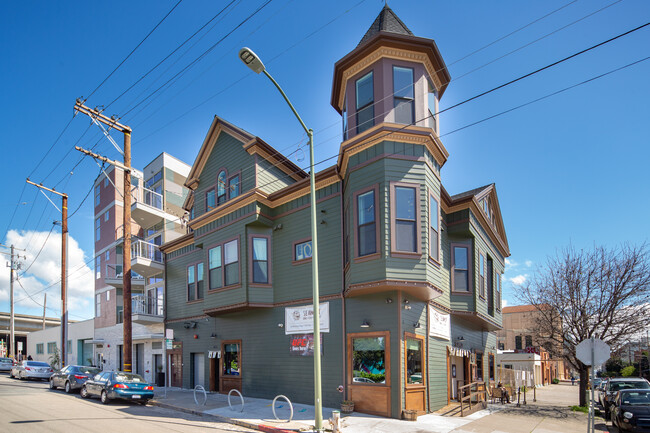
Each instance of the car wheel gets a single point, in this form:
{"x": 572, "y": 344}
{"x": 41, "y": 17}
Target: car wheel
{"x": 52, "y": 384}
{"x": 144, "y": 402}
{"x": 68, "y": 388}
{"x": 104, "y": 398}
{"x": 84, "y": 392}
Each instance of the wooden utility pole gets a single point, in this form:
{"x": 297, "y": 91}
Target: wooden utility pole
{"x": 97, "y": 116}
{"x": 44, "y": 308}
{"x": 64, "y": 272}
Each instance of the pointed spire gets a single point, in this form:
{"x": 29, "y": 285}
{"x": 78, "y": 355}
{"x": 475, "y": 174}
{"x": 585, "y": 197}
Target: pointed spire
{"x": 386, "y": 21}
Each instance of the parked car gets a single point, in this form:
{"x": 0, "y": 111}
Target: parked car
{"x": 618, "y": 384}
{"x": 72, "y": 377}
{"x": 31, "y": 370}
{"x": 6, "y": 364}
{"x": 601, "y": 391}
{"x": 630, "y": 410}
{"x": 110, "y": 385}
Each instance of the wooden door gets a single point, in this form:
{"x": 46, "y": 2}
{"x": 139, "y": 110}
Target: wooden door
{"x": 176, "y": 364}
{"x": 368, "y": 374}
{"x": 230, "y": 366}
{"x": 415, "y": 378}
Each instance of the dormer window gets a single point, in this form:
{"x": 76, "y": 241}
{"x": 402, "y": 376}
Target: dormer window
{"x": 233, "y": 186}
{"x": 365, "y": 103}
{"x": 403, "y": 95}
{"x": 221, "y": 187}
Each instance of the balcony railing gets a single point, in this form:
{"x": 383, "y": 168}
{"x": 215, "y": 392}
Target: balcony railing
{"x": 148, "y": 197}
{"x": 143, "y": 305}
{"x": 149, "y": 305}
{"x": 146, "y": 250}
{"x": 115, "y": 271}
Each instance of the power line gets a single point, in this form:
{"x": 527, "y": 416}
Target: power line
{"x": 170, "y": 54}
{"x": 39, "y": 252}
{"x": 200, "y": 57}
{"x": 478, "y": 50}
{"x": 38, "y": 303}
{"x": 133, "y": 50}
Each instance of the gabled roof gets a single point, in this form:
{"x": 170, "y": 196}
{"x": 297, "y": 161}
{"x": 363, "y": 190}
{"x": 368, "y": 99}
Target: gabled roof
{"x": 386, "y": 21}
{"x": 249, "y": 142}
{"x": 470, "y": 200}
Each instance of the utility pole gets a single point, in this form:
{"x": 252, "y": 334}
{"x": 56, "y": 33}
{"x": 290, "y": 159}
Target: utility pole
{"x": 98, "y": 118}
{"x": 11, "y": 349}
{"x": 44, "y": 308}
{"x": 64, "y": 271}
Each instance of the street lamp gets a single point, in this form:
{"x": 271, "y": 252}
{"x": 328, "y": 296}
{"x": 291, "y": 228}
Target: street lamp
{"x": 255, "y": 64}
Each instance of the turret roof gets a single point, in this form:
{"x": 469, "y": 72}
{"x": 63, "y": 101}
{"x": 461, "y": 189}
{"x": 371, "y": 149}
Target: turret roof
{"x": 386, "y": 21}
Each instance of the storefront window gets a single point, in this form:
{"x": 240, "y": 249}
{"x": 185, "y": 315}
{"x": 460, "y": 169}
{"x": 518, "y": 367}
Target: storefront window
{"x": 413, "y": 361}
{"x": 369, "y": 360}
{"x": 231, "y": 365}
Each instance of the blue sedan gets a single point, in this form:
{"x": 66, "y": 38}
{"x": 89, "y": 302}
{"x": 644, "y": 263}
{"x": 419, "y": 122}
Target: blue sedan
{"x": 111, "y": 385}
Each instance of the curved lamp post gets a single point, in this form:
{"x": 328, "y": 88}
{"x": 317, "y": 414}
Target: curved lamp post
{"x": 255, "y": 64}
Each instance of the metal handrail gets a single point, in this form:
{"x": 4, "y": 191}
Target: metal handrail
{"x": 151, "y": 198}
{"x": 146, "y": 250}
{"x": 143, "y": 304}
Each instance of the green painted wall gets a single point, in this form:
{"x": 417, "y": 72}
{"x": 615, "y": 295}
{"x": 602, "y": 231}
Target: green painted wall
{"x": 270, "y": 178}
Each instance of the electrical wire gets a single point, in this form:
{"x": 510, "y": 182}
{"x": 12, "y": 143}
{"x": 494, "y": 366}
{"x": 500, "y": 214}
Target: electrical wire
{"x": 170, "y": 54}
{"x": 39, "y": 304}
{"x": 133, "y": 50}
{"x": 39, "y": 251}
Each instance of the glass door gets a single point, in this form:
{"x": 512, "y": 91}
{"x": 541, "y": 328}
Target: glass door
{"x": 415, "y": 378}
{"x": 231, "y": 366}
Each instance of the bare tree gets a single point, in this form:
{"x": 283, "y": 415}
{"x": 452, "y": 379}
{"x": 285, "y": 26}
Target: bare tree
{"x": 604, "y": 293}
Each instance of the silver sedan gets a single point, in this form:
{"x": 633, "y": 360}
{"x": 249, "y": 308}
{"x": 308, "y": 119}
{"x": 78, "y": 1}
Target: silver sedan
{"x": 6, "y": 364}
{"x": 32, "y": 370}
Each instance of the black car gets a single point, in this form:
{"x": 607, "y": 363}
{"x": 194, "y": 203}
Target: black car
{"x": 631, "y": 410}
{"x": 618, "y": 384}
{"x": 72, "y": 377}
{"x": 110, "y": 385}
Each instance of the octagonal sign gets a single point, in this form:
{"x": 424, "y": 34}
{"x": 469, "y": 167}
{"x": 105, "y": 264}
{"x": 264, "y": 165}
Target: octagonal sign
{"x": 600, "y": 348}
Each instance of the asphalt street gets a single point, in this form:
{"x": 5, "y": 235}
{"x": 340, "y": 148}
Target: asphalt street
{"x": 30, "y": 406}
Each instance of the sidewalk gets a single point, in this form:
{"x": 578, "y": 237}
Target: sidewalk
{"x": 551, "y": 413}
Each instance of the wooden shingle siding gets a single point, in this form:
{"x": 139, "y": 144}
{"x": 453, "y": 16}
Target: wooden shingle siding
{"x": 270, "y": 178}
{"x": 227, "y": 153}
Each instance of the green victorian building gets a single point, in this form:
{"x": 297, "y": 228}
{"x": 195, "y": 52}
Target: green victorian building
{"x": 410, "y": 276}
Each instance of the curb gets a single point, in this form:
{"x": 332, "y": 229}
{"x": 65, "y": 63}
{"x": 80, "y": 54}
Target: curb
{"x": 250, "y": 425}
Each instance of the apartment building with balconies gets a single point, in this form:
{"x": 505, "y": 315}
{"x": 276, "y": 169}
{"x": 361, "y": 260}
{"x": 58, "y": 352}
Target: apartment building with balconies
{"x": 157, "y": 216}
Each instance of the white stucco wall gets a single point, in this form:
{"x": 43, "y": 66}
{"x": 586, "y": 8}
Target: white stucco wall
{"x": 76, "y": 331}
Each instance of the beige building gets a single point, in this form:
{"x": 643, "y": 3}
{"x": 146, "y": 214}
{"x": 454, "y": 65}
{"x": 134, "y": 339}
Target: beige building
{"x": 518, "y": 335}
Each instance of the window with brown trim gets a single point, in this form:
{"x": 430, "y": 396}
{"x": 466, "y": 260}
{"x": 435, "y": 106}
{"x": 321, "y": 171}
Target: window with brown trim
{"x": 223, "y": 264}
{"x": 403, "y": 95}
{"x": 259, "y": 258}
{"x": 233, "y": 186}
{"x": 365, "y": 102}
{"x": 195, "y": 278}
{"x": 414, "y": 358}
{"x": 215, "y": 268}
{"x": 221, "y": 187}
{"x": 210, "y": 202}
{"x": 460, "y": 260}
{"x": 481, "y": 275}
{"x": 434, "y": 229}
{"x": 366, "y": 222}
{"x": 405, "y": 218}
{"x": 231, "y": 262}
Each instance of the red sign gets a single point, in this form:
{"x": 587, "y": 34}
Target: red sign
{"x": 303, "y": 345}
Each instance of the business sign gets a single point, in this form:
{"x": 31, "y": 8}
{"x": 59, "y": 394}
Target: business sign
{"x": 303, "y": 345}
{"x": 168, "y": 344}
{"x": 169, "y": 334}
{"x": 439, "y": 324}
{"x": 300, "y": 320}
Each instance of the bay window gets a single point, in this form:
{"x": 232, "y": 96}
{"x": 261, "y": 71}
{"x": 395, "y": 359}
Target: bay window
{"x": 365, "y": 103}
{"x": 403, "y": 95}
{"x": 460, "y": 268}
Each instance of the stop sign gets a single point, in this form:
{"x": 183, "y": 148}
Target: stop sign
{"x": 600, "y": 350}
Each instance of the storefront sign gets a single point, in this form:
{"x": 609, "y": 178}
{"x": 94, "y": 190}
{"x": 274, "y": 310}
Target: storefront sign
{"x": 439, "y": 324}
{"x": 303, "y": 345}
{"x": 168, "y": 344}
{"x": 300, "y": 320}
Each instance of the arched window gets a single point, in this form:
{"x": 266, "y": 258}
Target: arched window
{"x": 221, "y": 187}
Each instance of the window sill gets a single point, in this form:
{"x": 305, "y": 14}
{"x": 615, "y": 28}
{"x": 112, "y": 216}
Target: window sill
{"x": 301, "y": 262}
{"x": 461, "y": 293}
{"x": 434, "y": 262}
{"x": 263, "y": 285}
{"x": 366, "y": 258}
{"x": 481, "y": 297}
{"x": 405, "y": 255}
{"x": 195, "y": 301}
{"x": 224, "y": 288}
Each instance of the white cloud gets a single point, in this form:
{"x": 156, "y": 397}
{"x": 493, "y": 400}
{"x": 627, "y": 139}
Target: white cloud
{"x": 528, "y": 263}
{"x": 510, "y": 264}
{"x": 504, "y": 303}
{"x": 46, "y": 271}
{"x": 519, "y": 279}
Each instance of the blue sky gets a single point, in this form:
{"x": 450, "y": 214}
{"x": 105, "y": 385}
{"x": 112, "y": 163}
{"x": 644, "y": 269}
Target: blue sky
{"x": 570, "y": 168}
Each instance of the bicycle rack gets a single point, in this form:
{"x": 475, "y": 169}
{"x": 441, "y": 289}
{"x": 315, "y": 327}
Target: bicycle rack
{"x": 205, "y": 395}
{"x": 240, "y": 396}
{"x": 290, "y": 406}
